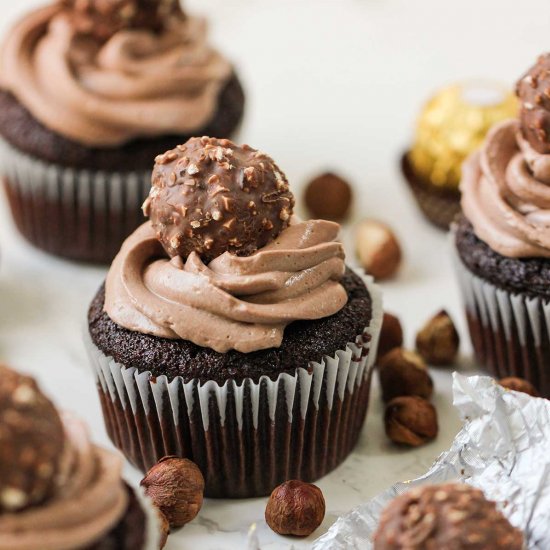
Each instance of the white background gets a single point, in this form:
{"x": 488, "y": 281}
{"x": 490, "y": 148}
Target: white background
{"x": 330, "y": 84}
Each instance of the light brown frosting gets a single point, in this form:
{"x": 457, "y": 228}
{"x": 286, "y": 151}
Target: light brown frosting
{"x": 137, "y": 84}
{"x": 241, "y": 303}
{"x": 506, "y": 194}
{"x": 90, "y": 501}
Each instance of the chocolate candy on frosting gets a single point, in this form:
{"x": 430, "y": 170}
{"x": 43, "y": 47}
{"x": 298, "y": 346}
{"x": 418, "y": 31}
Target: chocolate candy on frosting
{"x": 31, "y": 442}
{"x": 211, "y": 196}
{"x": 533, "y": 91}
{"x": 104, "y": 18}
{"x": 453, "y": 516}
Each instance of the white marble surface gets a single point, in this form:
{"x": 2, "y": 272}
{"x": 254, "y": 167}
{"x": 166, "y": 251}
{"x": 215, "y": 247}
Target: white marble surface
{"x": 330, "y": 84}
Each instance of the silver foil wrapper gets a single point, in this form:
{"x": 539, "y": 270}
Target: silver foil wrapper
{"x": 503, "y": 449}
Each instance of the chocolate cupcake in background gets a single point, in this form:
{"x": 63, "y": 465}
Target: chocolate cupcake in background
{"x": 451, "y": 516}
{"x": 452, "y": 124}
{"x": 231, "y": 333}
{"x": 89, "y": 93}
{"x": 58, "y": 491}
{"x": 503, "y": 240}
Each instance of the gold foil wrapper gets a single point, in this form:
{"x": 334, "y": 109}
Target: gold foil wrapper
{"x": 453, "y": 124}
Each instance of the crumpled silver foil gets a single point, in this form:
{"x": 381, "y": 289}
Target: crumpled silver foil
{"x": 503, "y": 449}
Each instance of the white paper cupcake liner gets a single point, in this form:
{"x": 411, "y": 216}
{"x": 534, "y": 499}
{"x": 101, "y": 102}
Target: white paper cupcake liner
{"x": 152, "y": 523}
{"x": 246, "y": 437}
{"x": 510, "y": 332}
{"x": 77, "y": 214}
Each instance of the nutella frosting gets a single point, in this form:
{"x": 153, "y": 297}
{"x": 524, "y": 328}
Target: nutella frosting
{"x": 506, "y": 194}
{"x": 90, "y": 500}
{"x": 136, "y": 84}
{"x": 240, "y": 303}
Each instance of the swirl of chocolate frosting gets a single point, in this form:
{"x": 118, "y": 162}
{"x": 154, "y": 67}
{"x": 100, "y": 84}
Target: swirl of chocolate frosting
{"x": 506, "y": 194}
{"x": 90, "y": 500}
{"x": 240, "y": 303}
{"x": 138, "y": 83}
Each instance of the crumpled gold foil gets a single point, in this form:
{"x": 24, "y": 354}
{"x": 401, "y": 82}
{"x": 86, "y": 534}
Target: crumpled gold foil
{"x": 454, "y": 123}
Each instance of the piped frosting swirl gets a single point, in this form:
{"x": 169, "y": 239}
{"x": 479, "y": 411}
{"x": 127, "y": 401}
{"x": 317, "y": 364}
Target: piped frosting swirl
{"x": 139, "y": 83}
{"x": 240, "y": 303}
{"x": 506, "y": 194}
{"x": 90, "y": 500}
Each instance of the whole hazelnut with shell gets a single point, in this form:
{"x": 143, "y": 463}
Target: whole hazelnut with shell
{"x": 32, "y": 439}
{"x": 295, "y": 508}
{"x": 514, "y": 383}
{"x": 212, "y": 196}
{"x": 438, "y": 340}
{"x": 411, "y": 421}
{"x": 176, "y": 487}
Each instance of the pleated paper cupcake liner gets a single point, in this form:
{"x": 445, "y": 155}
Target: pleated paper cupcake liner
{"x": 440, "y": 207}
{"x": 246, "y": 437}
{"x": 510, "y": 332}
{"x": 152, "y": 523}
{"x": 76, "y": 214}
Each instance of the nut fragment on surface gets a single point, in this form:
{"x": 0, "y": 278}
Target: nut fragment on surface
{"x": 438, "y": 340}
{"x": 404, "y": 372}
{"x": 446, "y": 516}
{"x": 411, "y": 420}
{"x": 328, "y": 197}
{"x": 391, "y": 335}
{"x": 295, "y": 508}
{"x": 519, "y": 384}
{"x": 32, "y": 439}
{"x": 378, "y": 249}
{"x": 176, "y": 487}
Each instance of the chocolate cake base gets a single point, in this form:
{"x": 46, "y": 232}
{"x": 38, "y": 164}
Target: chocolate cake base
{"x": 439, "y": 206}
{"x": 129, "y": 534}
{"x": 249, "y": 421}
{"x": 507, "y": 309}
{"x": 28, "y": 135}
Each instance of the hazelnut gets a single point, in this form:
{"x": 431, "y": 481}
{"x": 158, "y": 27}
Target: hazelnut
{"x": 438, "y": 340}
{"x": 164, "y": 528}
{"x": 391, "y": 336}
{"x": 295, "y": 508}
{"x": 411, "y": 420}
{"x": 519, "y": 384}
{"x": 404, "y": 372}
{"x": 176, "y": 487}
{"x": 328, "y": 196}
{"x": 377, "y": 249}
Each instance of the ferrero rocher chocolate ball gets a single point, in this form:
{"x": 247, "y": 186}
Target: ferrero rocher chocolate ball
{"x": 212, "y": 196}
{"x": 533, "y": 91}
{"x": 104, "y": 18}
{"x": 452, "y": 515}
{"x": 31, "y": 442}
{"x": 453, "y": 124}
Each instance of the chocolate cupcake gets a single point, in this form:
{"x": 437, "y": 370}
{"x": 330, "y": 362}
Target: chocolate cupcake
{"x": 57, "y": 490}
{"x": 231, "y": 333}
{"x": 89, "y": 92}
{"x": 503, "y": 240}
{"x": 450, "y": 516}
{"x": 452, "y": 124}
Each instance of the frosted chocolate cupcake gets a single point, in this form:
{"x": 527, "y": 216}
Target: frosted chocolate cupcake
{"x": 503, "y": 240}
{"x": 231, "y": 333}
{"x": 452, "y": 124}
{"x": 57, "y": 490}
{"x": 89, "y": 93}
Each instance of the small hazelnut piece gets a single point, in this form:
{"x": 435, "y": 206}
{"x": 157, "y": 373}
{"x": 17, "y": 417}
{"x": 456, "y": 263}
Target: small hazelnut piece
{"x": 377, "y": 249}
{"x": 404, "y": 372}
{"x": 176, "y": 487}
{"x": 164, "y": 528}
{"x": 391, "y": 336}
{"x": 519, "y": 384}
{"x": 295, "y": 508}
{"x": 438, "y": 340}
{"x": 411, "y": 421}
{"x": 328, "y": 197}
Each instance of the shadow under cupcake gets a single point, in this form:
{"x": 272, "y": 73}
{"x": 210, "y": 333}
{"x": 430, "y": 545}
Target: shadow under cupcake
{"x": 503, "y": 240}
{"x": 231, "y": 333}
{"x": 89, "y": 93}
